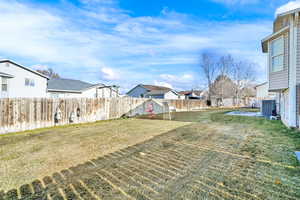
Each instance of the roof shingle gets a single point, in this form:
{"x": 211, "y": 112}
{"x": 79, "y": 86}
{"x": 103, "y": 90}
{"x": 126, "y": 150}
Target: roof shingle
{"x": 68, "y": 84}
{"x": 154, "y": 87}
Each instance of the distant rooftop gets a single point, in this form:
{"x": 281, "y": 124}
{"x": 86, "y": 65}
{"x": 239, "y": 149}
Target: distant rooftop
{"x": 62, "y": 84}
{"x": 156, "y": 88}
{"x": 157, "y": 92}
{"x": 196, "y": 92}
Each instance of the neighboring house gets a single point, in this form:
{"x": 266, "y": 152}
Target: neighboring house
{"x": 153, "y": 91}
{"x": 262, "y": 93}
{"x": 69, "y": 88}
{"x": 192, "y": 94}
{"x": 283, "y": 48}
{"x": 18, "y": 81}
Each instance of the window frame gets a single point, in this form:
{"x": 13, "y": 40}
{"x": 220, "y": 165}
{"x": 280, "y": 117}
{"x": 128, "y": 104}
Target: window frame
{"x": 27, "y": 82}
{"x": 32, "y": 83}
{"x": 4, "y": 84}
{"x": 281, "y": 54}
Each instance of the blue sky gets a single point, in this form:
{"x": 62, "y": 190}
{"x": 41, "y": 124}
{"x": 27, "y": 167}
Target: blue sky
{"x": 127, "y": 42}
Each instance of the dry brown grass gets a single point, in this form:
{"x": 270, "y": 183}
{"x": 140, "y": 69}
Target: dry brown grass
{"x": 29, "y": 156}
{"x": 216, "y": 157}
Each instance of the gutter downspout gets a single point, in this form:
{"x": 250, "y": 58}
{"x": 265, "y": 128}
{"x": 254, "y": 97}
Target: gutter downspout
{"x": 296, "y": 66}
{"x": 292, "y": 73}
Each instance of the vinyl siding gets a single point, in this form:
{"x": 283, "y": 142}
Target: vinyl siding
{"x": 16, "y": 85}
{"x": 280, "y": 80}
{"x": 171, "y": 95}
{"x": 137, "y": 92}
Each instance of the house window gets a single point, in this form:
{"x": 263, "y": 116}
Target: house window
{"x": 4, "y": 85}
{"x": 277, "y": 54}
{"x": 29, "y": 82}
{"x": 32, "y": 84}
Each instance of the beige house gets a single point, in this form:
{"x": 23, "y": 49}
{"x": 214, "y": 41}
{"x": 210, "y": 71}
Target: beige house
{"x": 263, "y": 93}
{"x": 283, "y": 48}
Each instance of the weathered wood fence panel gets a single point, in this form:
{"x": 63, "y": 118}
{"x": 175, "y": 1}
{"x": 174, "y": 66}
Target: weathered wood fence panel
{"x": 27, "y": 114}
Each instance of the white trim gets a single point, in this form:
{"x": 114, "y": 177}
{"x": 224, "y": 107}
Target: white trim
{"x": 288, "y": 13}
{"x": 66, "y": 91}
{"x": 292, "y": 75}
{"x": 274, "y": 35}
{"x": 277, "y": 55}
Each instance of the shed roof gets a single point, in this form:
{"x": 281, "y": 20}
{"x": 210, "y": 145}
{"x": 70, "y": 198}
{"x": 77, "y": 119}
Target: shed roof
{"x": 61, "y": 84}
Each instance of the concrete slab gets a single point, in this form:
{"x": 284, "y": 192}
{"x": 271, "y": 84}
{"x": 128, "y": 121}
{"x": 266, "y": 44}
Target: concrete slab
{"x": 247, "y": 114}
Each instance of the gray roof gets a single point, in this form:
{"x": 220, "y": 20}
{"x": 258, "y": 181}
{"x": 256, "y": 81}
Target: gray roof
{"x": 61, "y": 84}
{"x": 6, "y": 75}
{"x": 158, "y": 92}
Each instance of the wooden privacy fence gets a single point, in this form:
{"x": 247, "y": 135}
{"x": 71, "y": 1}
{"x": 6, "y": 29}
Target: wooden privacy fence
{"x": 21, "y": 114}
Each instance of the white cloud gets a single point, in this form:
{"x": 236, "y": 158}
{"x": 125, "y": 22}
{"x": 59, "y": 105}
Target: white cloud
{"x": 109, "y": 74}
{"x": 101, "y": 34}
{"x": 164, "y": 84}
{"x": 178, "y": 79}
{"x": 231, "y": 2}
{"x": 40, "y": 67}
{"x": 179, "y": 82}
{"x": 287, "y": 7}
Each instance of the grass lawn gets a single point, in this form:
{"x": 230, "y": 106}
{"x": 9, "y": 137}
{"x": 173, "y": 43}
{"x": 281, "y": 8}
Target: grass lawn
{"x": 27, "y": 156}
{"x": 199, "y": 155}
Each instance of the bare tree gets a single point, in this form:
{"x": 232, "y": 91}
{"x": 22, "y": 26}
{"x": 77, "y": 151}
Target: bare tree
{"x": 224, "y": 66}
{"x": 223, "y": 87}
{"x": 208, "y": 66}
{"x": 49, "y": 72}
{"x": 243, "y": 74}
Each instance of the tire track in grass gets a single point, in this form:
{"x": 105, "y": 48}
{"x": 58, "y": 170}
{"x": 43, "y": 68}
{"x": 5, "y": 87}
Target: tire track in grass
{"x": 241, "y": 156}
{"x": 123, "y": 185}
{"x": 163, "y": 163}
{"x": 102, "y": 188}
{"x": 153, "y": 170}
{"x": 167, "y": 172}
{"x": 238, "y": 177}
{"x": 154, "y": 185}
{"x": 166, "y": 160}
{"x": 235, "y": 166}
{"x": 156, "y": 179}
